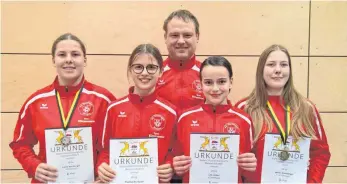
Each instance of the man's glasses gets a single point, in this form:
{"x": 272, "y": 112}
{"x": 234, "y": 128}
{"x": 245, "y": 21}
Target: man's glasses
{"x": 138, "y": 68}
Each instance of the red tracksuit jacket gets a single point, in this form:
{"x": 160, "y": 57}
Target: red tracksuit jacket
{"x": 180, "y": 83}
{"x": 40, "y": 111}
{"x": 134, "y": 117}
{"x": 319, "y": 149}
{"x": 205, "y": 119}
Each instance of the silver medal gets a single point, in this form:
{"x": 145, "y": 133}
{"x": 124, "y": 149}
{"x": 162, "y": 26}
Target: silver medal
{"x": 65, "y": 140}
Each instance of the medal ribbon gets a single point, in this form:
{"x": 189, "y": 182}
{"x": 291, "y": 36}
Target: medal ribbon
{"x": 284, "y": 133}
{"x": 66, "y": 121}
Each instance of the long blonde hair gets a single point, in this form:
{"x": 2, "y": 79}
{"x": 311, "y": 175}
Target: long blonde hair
{"x": 301, "y": 109}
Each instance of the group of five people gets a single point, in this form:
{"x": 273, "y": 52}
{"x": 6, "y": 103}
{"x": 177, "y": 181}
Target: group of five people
{"x": 181, "y": 90}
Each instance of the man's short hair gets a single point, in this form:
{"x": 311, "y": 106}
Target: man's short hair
{"x": 186, "y": 16}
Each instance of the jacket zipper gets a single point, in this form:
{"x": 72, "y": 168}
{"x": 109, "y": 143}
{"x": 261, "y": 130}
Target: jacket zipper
{"x": 141, "y": 111}
{"x": 214, "y": 119}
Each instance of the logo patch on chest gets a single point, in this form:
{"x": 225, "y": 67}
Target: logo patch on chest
{"x": 196, "y": 85}
{"x": 157, "y": 122}
{"x": 86, "y": 108}
{"x": 231, "y": 128}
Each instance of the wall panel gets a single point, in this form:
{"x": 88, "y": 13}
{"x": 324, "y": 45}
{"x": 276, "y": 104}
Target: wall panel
{"x": 329, "y": 28}
{"x": 14, "y": 176}
{"x": 117, "y": 27}
{"x": 237, "y": 29}
{"x": 334, "y": 124}
{"x": 335, "y": 175}
{"x": 328, "y": 83}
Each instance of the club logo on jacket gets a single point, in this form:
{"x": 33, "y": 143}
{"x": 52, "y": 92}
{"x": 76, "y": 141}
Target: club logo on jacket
{"x": 231, "y": 128}
{"x": 157, "y": 122}
{"x": 196, "y": 85}
{"x": 86, "y": 108}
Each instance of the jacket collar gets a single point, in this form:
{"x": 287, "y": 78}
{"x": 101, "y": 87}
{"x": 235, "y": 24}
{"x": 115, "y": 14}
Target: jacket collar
{"x": 274, "y": 98}
{"x": 141, "y": 100}
{"x": 67, "y": 90}
{"x": 219, "y": 109}
{"x": 181, "y": 65}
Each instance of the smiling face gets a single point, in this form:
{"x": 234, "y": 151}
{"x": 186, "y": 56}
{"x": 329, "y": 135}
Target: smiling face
{"x": 144, "y": 71}
{"x": 276, "y": 72}
{"x": 216, "y": 84}
{"x": 69, "y": 61}
{"x": 181, "y": 39}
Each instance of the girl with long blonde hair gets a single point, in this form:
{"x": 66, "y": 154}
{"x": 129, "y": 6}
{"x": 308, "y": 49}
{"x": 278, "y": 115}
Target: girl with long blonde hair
{"x": 275, "y": 106}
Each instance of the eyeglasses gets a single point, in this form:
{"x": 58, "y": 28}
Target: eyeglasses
{"x": 138, "y": 68}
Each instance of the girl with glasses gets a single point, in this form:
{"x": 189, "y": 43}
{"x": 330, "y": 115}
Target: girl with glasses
{"x": 141, "y": 113}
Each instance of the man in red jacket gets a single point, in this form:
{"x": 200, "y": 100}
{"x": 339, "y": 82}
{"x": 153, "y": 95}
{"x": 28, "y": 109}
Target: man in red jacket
{"x": 180, "y": 83}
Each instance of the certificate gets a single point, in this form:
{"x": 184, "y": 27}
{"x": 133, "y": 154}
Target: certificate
{"x": 134, "y": 160}
{"x": 285, "y": 163}
{"x": 71, "y": 152}
{"x": 214, "y": 158}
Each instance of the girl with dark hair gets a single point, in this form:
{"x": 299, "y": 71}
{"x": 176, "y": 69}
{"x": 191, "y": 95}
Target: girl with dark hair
{"x": 216, "y": 115}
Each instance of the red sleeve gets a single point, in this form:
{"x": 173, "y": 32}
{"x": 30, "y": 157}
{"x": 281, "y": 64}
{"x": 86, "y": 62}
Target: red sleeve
{"x": 23, "y": 142}
{"x": 104, "y": 155}
{"x": 176, "y": 149}
{"x": 245, "y": 146}
{"x": 101, "y": 117}
{"x": 173, "y": 137}
{"x": 245, "y": 140}
{"x": 319, "y": 152}
{"x": 171, "y": 153}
